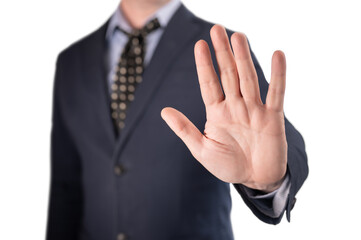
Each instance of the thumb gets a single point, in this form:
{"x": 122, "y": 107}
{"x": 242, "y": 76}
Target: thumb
{"x": 184, "y": 129}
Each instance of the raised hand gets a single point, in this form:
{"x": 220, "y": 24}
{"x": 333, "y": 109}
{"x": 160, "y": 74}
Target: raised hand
{"x": 244, "y": 140}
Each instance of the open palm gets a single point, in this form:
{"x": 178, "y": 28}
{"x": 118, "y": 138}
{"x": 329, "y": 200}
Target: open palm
{"x": 244, "y": 140}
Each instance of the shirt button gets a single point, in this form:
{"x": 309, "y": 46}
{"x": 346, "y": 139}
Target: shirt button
{"x": 121, "y": 236}
{"x": 119, "y": 170}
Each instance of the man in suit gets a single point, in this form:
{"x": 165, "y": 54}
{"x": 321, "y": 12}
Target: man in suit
{"x": 118, "y": 172}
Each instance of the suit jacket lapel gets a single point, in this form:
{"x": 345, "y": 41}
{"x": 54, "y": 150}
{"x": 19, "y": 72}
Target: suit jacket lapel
{"x": 93, "y": 64}
{"x": 179, "y": 31}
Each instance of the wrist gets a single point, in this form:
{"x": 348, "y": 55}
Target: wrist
{"x": 267, "y": 188}
{"x": 274, "y": 186}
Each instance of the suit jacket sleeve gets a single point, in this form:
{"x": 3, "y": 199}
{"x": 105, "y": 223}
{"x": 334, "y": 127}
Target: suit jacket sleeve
{"x": 65, "y": 201}
{"x": 297, "y": 166}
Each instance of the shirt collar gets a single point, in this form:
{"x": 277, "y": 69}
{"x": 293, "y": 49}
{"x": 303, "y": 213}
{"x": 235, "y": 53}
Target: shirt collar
{"x": 164, "y": 14}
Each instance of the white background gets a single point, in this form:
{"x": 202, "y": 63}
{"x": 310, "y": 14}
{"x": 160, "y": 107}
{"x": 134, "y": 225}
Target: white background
{"x": 321, "y": 40}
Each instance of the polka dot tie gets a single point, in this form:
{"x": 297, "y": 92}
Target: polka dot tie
{"x": 129, "y": 73}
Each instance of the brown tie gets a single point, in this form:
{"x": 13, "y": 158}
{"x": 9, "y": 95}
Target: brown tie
{"x": 129, "y": 73}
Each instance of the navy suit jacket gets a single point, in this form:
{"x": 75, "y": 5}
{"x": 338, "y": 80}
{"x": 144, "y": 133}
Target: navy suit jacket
{"x": 145, "y": 183}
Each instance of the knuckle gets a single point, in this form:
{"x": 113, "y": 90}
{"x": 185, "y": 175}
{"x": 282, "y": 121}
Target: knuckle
{"x": 229, "y": 72}
{"x": 276, "y": 90}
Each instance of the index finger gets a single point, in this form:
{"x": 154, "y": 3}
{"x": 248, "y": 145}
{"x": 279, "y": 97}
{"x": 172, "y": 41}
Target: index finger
{"x": 208, "y": 80}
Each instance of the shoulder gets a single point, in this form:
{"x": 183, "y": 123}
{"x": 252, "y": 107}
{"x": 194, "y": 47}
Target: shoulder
{"x": 206, "y": 25}
{"x": 76, "y": 48}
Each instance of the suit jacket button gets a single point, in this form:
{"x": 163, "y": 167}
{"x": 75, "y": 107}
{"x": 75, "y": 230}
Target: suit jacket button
{"x": 121, "y": 236}
{"x": 119, "y": 170}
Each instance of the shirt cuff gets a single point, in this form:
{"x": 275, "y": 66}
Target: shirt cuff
{"x": 274, "y": 203}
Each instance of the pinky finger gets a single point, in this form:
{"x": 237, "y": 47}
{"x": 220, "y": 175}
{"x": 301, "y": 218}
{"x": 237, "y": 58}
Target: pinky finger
{"x": 277, "y": 86}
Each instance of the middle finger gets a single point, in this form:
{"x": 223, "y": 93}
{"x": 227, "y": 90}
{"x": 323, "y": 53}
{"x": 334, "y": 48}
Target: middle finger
{"x": 226, "y": 64}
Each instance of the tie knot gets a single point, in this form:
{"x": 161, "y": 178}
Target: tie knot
{"x": 144, "y": 31}
{"x": 149, "y": 27}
